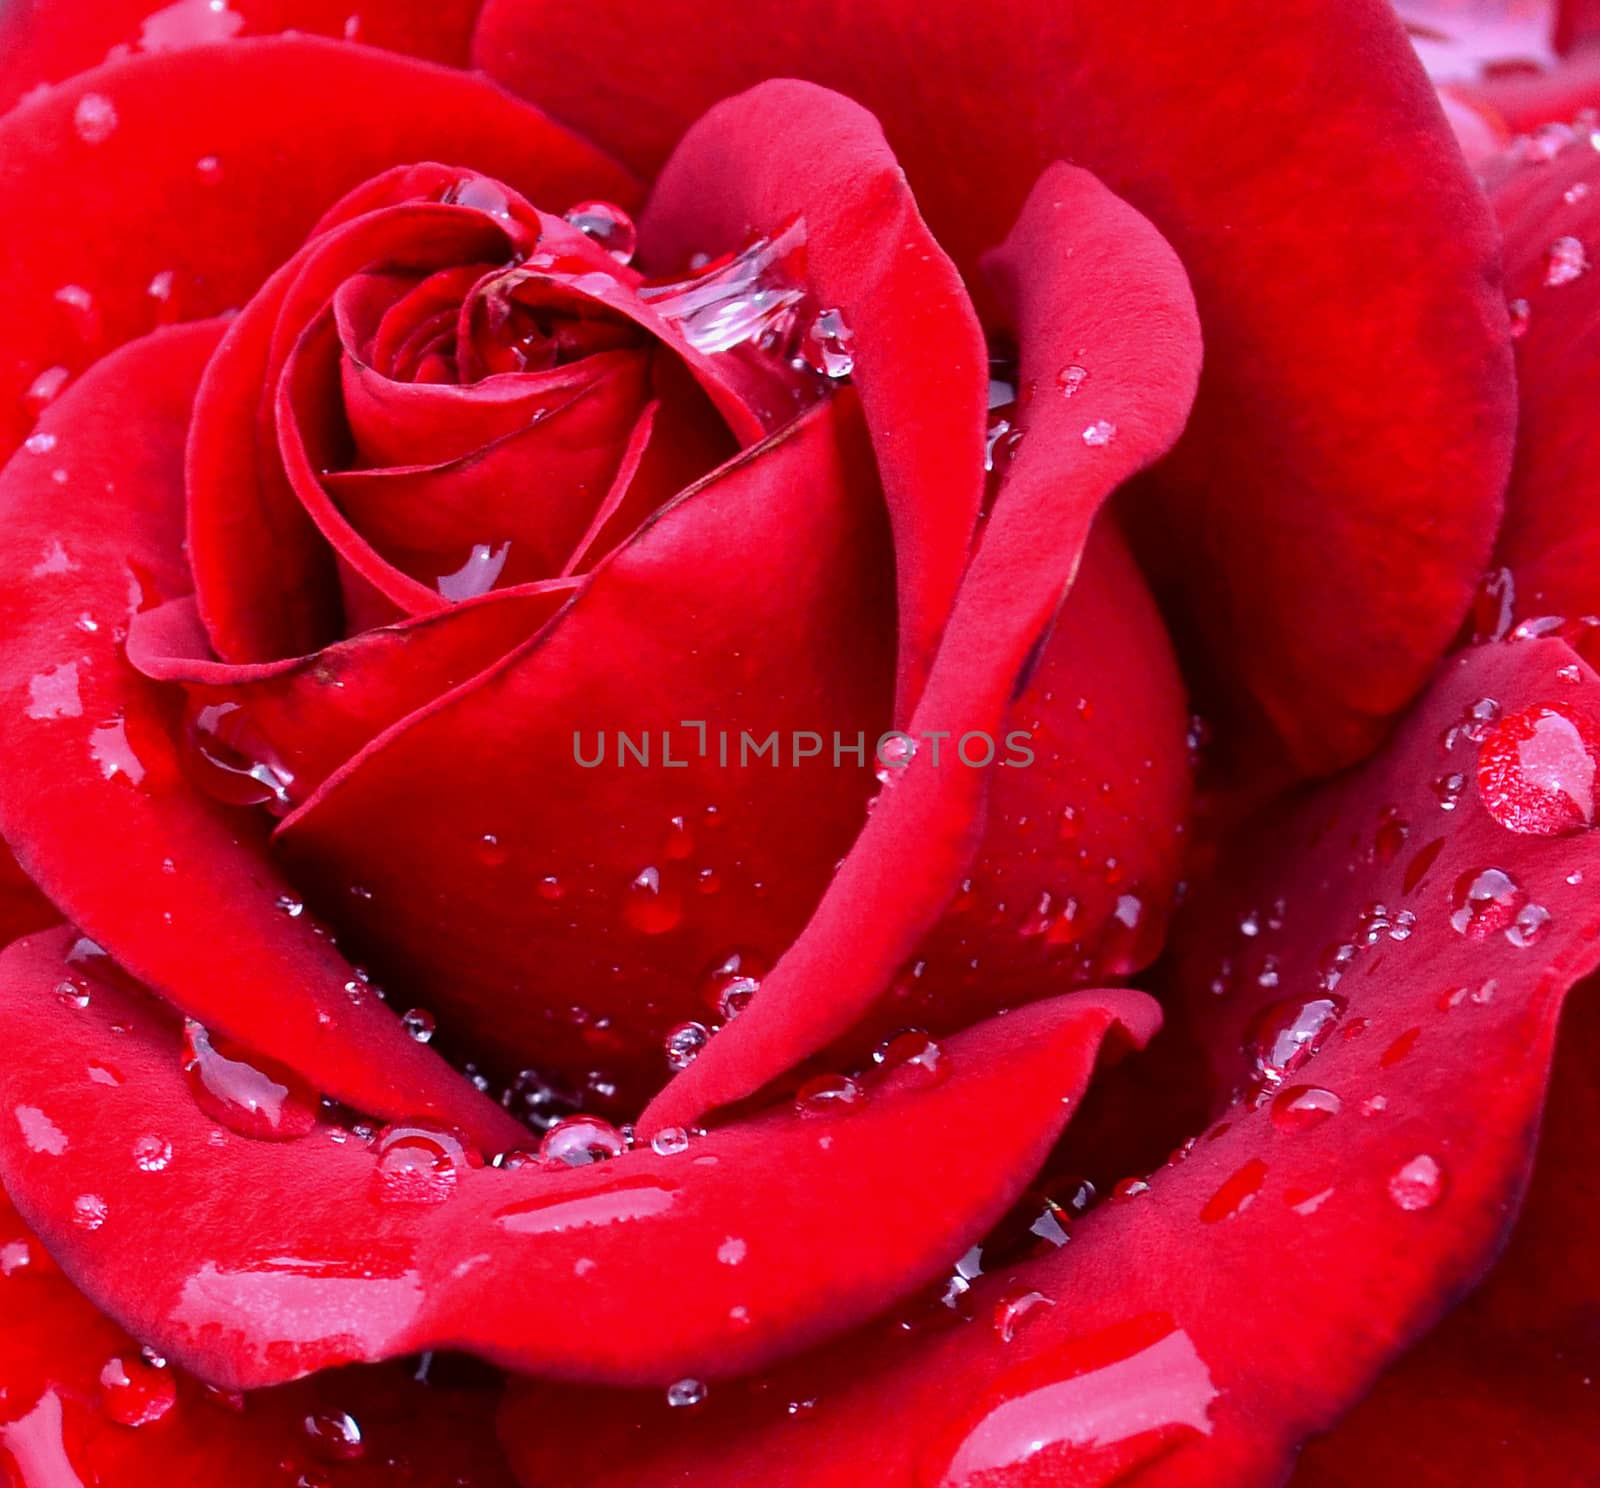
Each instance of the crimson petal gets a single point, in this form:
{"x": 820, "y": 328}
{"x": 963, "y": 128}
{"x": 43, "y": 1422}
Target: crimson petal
{"x": 1503, "y": 1389}
{"x": 1303, "y": 1241}
{"x": 1080, "y": 270}
{"x": 291, "y": 1257}
{"x": 756, "y": 603}
{"x": 45, "y": 43}
{"x": 264, "y": 110}
{"x": 1357, "y": 372}
{"x": 89, "y": 755}
{"x": 63, "y": 1425}
{"x": 787, "y": 148}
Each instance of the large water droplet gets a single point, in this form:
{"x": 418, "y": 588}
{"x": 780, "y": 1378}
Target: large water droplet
{"x": 651, "y": 907}
{"x": 244, "y": 1091}
{"x": 829, "y": 1095}
{"x": 1536, "y": 770}
{"x": 745, "y": 296}
{"x": 94, "y": 118}
{"x": 608, "y": 225}
{"x": 577, "y": 1141}
{"x": 685, "y": 1394}
{"x": 914, "y": 1054}
{"x": 1284, "y": 1035}
{"x": 1564, "y": 261}
{"x": 1485, "y": 900}
{"x": 230, "y": 762}
{"x": 828, "y": 345}
{"x": 684, "y": 1043}
{"x": 1301, "y": 1107}
{"x": 334, "y": 1436}
{"x": 420, "y": 1162}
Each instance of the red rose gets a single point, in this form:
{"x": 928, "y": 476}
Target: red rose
{"x": 592, "y": 767}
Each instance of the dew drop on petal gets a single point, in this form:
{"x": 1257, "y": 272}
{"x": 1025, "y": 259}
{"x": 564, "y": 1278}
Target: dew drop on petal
{"x": 89, "y": 1211}
{"x": 1236, "y": 1194}
{"x": 1070, "y": 378}
{"x": 1418, "y": 1184}
{"x": 419, "y": 1025}
{"x": 1529, "y": 926}
{"x": 916, "y": 1057}
{"x": 246, "y": 1092}
{"x": 651, "y": 907}
{"x": 152, "y": 1154}
{"x": 608, "y": 225}
{"x": 134, "y": 1393}
{"x": 829, "y": 1095}
{"x": 94, "y": 118}
{"x": 334, "y": 1436}
{"x": 577, "y": 1141}
{"x": 1485, "y": 900}
{"x": 684, "y": 1043}
{"x": 1564, "y": 261}
{"x": 1284, "y": 1035}
{"x": 1537, "y": 769}
{"x": 828, "y": 345}
{"x": 420, "y": 1162}
{"x": 669, "y": 1141}
{"x": 685, "y": 1394}
{"x": 1013, "y": 1310}
{"x": 1301, "y": 1107}
{"x": 1100, "y": 433}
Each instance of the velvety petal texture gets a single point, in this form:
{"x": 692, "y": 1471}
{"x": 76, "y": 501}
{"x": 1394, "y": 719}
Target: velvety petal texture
{"x": 1083, "y": 275}
{"x": 1319, "y": 530}
{"x": 241, "y": 1258}
{"x": 1388, "y": 1094}
{"x": 179, "y": 888}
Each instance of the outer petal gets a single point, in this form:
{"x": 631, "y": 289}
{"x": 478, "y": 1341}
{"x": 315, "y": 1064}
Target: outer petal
{"x": 1550, "y": 211}
{"x": 757, "y": 603}
{"x": 58, "y": 1430}
{"x": 96, "y": 800}
{"x": 45, "y": 43}
{"x": 1342, "y": 476}
{"x": 254, "y": 1263}
{"x": 264, "y": 112}
{"x": 1503, "y": 1390}
{"x": 1286, "y": 1258}
{"x": 1081, "y": 269}
{"x": 788, "y": 148}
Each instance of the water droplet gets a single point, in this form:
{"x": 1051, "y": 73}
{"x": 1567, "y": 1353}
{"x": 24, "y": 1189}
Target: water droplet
{"x": 828, "y": 345}
{"x": 1014, "y": 1308}
{"x": 1564, "y": 261}
{"x": 895, "y": 753}
{"x": 1302, "y": 1107}
{"x": 419, "y": 1025}
{"x": 1284, "y": 1035}
{"x": 685, "y": 1394}
{"x": 94, "y": 118}
{"x": 551, "y": 889}
{"x": 134, "y": 1393}
{"x": 1520, "y": 314}
{"x": 684, "y": 1043}
{"x": 152, "y": 1154}
{"x": 89, "y": 1211}
{"x": 1100, "y": 433}
{"x": 230, "y": 761}
{"x": 914, "y": 1053}
{"x": 73, "y": 992}
{"x": 608, "y": 225}
{"x": 209, "y": 169}
{"x": 1447, "y": 790}
{"x": 1529, "y": 926}
{"x": 1237, "y": 1193}
{"x": 246, "y": 1092}
{"x": 44, "y": 390}
{"x": 829, "y": 1095}
{"x": 1093, "y": 1409}
{"x": 335, "y": 1436}
{"x": 492, "y": 852}
{"x": 477, "y": 575}
{"x": 669, "y": 1141}
{"x": 651, "y": 908}
{"x": 82, "y": 314}
{"x": 1418, "y": 1184}
{"x": 741, "y": 297}
{"x": 420, "y": 1162}
{"x": 577, "y": 1141}
{"x": 1069, "y": 379}
{"x": 1485, "y": 900}
{"x": 1536, "y": 770}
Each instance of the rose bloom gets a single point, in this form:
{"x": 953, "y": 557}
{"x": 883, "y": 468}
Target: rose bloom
{"x": 795, "y": 745}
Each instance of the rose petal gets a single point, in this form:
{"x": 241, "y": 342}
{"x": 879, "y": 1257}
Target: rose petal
{"x": 1550, "y": 544}
{"x": 756, "y": 603}
{"x": 786, "y": 149}
{"x": 43, "y": 43}
{"x": 265, "y": 111}
{"x": 310, "y": 714}
{"x": 1290, "y": 1255}
{"x": 1356, "y": 417}
{"x": 1503, "y": 1389}
{"x": 96, "y": 800}
{"x": 537, "y": 1268}
{"x": 1081, "y": 269}
{"x": 59, "y": 1424}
